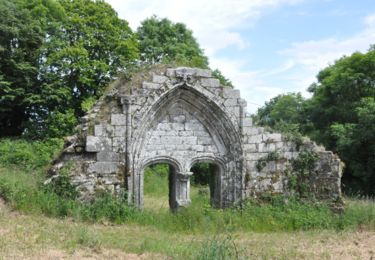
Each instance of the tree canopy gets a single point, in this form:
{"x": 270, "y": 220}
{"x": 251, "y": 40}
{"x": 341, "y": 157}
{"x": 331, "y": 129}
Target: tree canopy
{"x": 161, "y": 40}
{"x": 340, "y": 115}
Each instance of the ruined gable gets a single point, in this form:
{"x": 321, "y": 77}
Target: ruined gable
{"x": 181, "y": 116}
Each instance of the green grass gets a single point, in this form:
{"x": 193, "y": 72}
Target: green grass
{"x": 21, "y": 187}
{"x": 207, "y": 233}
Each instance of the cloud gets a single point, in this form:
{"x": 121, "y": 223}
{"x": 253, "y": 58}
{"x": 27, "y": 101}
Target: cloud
{"x": 314, "y": 55}
{"x": 215, "y": 23}
{"x": 218, "y": 26}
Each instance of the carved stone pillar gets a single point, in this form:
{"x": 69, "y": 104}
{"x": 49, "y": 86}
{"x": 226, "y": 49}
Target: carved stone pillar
{"x": 183, "y": 189}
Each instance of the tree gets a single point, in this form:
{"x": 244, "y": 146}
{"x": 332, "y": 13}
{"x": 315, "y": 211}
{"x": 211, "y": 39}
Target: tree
{"x": 160, "y": 40}
{"x": 56, "y": 55}
{"x": 91, "y": 46}
{"x": 287, "y": 108}
{"x": 340, "y": 115}
{"x": 22, "y": 35}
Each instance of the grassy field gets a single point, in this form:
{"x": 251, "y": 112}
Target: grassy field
{"x": 36, "y": 223}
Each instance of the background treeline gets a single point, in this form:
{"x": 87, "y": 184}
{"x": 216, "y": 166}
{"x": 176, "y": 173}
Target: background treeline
{"x": 57, "y": 56}
{"x": 340, "y": 115}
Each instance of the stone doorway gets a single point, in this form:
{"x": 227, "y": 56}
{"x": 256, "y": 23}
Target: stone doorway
{"x": 206, "y": 179}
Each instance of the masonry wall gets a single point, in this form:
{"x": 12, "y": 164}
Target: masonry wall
{"x": 180, "y": 116}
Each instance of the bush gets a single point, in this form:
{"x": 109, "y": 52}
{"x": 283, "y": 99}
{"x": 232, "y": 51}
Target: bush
{"x": 28, "y": 154}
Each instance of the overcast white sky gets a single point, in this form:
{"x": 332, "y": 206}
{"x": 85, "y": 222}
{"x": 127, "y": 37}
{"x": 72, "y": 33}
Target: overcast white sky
{"x": 266, "y": 47}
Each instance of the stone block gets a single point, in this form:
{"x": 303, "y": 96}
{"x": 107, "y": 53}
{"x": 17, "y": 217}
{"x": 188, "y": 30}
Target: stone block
{"x": 119, "y": 131}
{"x": 156, "y": 140}
{"x": 210, "y": 82}
{"x": 107, "y": 156}
{"x": 198, "y": 148}
{"x": 266, "y": 147}
{"x": 159, "y": 79}
{"x": 93, "y": 144}
{"x": 118, "y": 119}
{"x": 250, "y": 148}
{"x": 194, "y": 127}
{"x": 231, "y": 93}
{"x": 178, "y": 126}
{"x": 185, "y": 133}
{"x": 255, "y": 156}
{"x": 231, "y": 102}
{"x": 255, "y": 139}
{"x": 102, "y": 167}
{"x": 203, "y": 73}
{"x": 247, "y": 122}
{"x": 190, "y": 140}
{"x": 272, "y": 137}
{"x": 150, "y": 85}
{"x": 164, "y": 127}
{"x": 170, "y": 73}
{"x": 100, "y": 130}
{"x": 204, "y": 140}
{"x": 118, "y": 141}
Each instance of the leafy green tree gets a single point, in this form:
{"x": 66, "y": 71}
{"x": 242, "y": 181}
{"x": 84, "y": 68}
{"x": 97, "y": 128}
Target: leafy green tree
{"x": 22, "y": 33}
{"x": 55, "y": 57}
{"x": 342, "y": 111}
{"x": 161, "y": 40}
{"x": 90, "y": 48}
{"x": 288, "y": 108}
{"x": 340, "y": 115}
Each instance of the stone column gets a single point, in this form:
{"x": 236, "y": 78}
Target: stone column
{"x": 183, "y": 189}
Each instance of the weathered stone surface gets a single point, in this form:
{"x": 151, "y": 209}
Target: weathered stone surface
{"x": 183, "y": 116}
{"x": 93, "y": 144}
{"x": 118, "y": 119}
{"x": 102, "y": 167}
{"x": 203, "y": 73}
{"x": 210, "y": 82}
{"x": 150, "y": 85}
{"x": 159, "y": 79}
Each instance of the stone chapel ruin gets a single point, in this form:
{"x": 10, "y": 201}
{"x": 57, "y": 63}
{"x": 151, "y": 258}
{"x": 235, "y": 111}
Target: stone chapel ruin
{"x": 181, "y": 116}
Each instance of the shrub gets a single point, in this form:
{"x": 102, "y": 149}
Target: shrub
{"x": 28, "y": 154}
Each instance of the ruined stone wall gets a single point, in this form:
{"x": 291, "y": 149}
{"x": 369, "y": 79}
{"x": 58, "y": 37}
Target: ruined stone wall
{"x": 182, "y": 116}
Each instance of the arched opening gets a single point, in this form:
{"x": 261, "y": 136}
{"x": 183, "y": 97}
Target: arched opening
{"x": 206, "y": 184}
{"x": 157, "y": 178}
{"x": 160, "y": 133}
{"x": 158, "y": 182}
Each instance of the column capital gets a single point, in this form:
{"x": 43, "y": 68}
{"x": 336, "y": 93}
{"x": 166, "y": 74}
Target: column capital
{"x": 184, "y": 176}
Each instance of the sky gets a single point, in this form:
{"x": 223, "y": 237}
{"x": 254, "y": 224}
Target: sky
{"x": 266, "y": 47}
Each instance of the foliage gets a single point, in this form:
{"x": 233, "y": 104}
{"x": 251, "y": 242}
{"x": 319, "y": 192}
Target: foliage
{"x": 219, "y": 248}
{"x": 156, "y": 180}
{"x": 22, "y": 191}
{"x": 61, "y": 185}
{"x": 28, "y": 155}
{"x": 286, "y": 108}
{"x": 55, "y": 55}
{"x": 342, "y": 111}
{"x": 298, "y": 178}
{"x": 340, "y": 115}
{"x": 161, "y": 40}
{"x": 23, "y": 29}
{"x": 223, "y": 80}
{"x": 262, "y": 162}
{"x": 87, "y": 50}
{"x": 201, "y": 174}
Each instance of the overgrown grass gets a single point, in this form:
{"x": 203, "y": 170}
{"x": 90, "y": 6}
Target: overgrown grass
{"x": 27, "y": 154}
{"x": 21, "y": 188}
